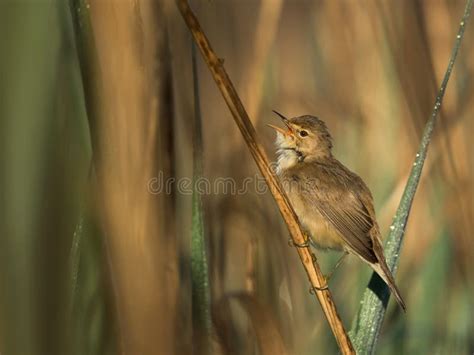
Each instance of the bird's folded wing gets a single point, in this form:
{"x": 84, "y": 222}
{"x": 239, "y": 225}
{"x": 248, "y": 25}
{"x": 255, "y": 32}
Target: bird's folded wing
{"x": 349, "y": 216}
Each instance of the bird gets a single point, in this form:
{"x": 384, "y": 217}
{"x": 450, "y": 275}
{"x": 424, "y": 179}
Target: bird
{"x": 333, "y": 204}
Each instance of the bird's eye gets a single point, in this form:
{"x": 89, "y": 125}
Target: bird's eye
{"x": 303, "y": 133}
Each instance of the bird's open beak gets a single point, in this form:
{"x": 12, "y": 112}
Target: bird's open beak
{"x": 289, "y": 132}
{"x": 281, "y": 130}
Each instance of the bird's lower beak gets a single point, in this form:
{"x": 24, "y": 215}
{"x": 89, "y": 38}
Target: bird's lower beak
{"x": 281, "y": 130}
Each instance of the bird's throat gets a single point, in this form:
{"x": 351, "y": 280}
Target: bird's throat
{"x": 287, "y": 158}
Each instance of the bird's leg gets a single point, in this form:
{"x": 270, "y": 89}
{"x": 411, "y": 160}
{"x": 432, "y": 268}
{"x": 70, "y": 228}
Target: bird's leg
{"x": 339, "y": 262}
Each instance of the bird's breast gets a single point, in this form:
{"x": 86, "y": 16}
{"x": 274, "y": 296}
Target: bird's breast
{"x": 320, "y": 230}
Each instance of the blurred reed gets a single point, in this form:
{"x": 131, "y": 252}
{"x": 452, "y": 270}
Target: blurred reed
{"x": 131, "y": 140}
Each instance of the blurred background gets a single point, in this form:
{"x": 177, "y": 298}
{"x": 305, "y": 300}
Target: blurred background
{"x": 93, "y": 262}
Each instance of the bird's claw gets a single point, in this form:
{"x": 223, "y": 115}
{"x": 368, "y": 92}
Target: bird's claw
{"x": 292, "y": 243}
{"x": 313, "y": 289}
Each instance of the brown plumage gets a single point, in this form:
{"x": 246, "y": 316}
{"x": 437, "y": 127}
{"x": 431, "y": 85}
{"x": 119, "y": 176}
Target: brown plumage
{"x": 333, "y": 204}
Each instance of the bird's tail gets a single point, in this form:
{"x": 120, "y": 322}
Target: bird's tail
{"x": 382, "y": 269}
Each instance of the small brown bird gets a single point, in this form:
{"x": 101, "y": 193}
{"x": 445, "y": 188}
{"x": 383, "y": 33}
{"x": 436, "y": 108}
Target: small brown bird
{"x": 333, "y": 204}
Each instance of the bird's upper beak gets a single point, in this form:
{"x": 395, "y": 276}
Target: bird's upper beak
{"x": 288, "y": 132}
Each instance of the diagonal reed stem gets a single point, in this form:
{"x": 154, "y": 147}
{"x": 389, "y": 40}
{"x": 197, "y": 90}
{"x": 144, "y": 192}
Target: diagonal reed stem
{"x": 369, "y": 319}
{"x": 242, "y": 120}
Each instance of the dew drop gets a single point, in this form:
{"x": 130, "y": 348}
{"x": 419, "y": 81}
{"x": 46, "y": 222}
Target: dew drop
{"x": 458, "y": 36}
{"x": 392, "y": 227}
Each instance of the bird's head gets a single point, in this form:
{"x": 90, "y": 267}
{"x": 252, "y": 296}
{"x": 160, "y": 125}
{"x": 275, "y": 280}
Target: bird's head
{"x": 307, "y": 136}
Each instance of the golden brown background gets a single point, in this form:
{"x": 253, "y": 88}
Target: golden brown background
{"x": 92, "y": 263}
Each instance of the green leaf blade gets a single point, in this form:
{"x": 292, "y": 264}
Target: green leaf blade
{"x": 201, "y": 295}
{"x": 367, "y": 325}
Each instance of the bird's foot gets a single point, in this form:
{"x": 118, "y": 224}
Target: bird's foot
{"x": 313, "y": 289}
{"x": 292, "y": 243}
